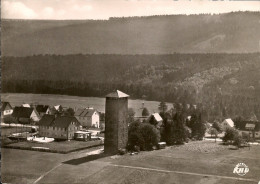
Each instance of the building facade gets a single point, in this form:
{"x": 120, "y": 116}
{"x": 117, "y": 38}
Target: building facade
{"x": 60, "y": 127}
{"x": 6, "y": 109}
{"x": 116, "y": 126}
{"x": 88, "y": 117}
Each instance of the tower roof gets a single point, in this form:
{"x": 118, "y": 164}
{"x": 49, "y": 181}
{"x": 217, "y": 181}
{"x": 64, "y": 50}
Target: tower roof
{"x": 117, "y": 94}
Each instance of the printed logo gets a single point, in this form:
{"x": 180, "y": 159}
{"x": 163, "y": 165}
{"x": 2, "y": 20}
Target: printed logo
{"x": 241, "y": 169}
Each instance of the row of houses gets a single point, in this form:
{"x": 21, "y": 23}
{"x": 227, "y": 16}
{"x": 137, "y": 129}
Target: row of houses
{"x": 26, "y": 113}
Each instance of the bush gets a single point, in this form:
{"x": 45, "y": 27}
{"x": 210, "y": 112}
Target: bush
{"x": 217, "y": 126}
{"x": 145, "y": 112}
{"x": 142, "y": 136}
{"x": 238, "y": 140}
{"x": 151, "y": 136}
{"x": 230, "y": 134}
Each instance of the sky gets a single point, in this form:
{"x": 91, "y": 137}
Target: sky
{"x": 103, "y": 9}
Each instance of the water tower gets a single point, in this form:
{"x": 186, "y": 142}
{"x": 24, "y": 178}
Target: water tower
{"x": 116, "y": 126}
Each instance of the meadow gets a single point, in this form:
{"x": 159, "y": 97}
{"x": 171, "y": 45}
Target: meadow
{"x": 16, "y": 99}
{"x": 199, "y": 162}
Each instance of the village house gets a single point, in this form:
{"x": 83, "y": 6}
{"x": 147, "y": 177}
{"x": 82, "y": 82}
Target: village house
{"x": 6, "y": 109}
{"x": 155, "y": 119}
{"x": 58, "y": 127}
{"x": 42, "y": 109}
{"x": 88, "y": 117}
{"x": 250, "y": 128}
{"x": 25, "y": 115}
{"x": 227, "y": 123}
{"x": 58, "y": 108}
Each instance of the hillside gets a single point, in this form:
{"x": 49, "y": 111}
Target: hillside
{"x": 231, "y": 32}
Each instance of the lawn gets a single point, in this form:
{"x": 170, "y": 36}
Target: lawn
{"x": 189, "y": 164}
{"x": 56, "y": 147}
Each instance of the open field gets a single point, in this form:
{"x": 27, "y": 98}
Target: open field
{"x": 74, "y": 101}
{"x": 59, "y": 147}
{"x": 189, "y": 163}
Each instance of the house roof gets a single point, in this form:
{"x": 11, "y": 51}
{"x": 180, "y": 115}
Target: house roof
{"x": 57, "y": 107}
{"x": 117, "y": 94}
{"x": 46, "y": 120}
{"x": 85, "y": 112}
{"x": 42, "y": 108}
{"x": 22, "y": 112}
{"x": 64, "y": 121}
{"x": 5, "y": 106}
{"x": 60, "y": 121}
{"x": 157, "y": 117}
{"x": 26, "y": 105}
{"x": 250, "y": 126}
{"x": 229, "y": 122}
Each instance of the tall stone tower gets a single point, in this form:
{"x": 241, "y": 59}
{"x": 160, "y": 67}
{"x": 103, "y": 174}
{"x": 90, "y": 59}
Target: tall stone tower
{"x": 116, "y": 126}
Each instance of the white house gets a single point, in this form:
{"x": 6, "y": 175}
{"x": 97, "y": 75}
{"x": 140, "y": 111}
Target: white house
{"x": 227, "y": 123}
{"x": 88, "y": 117}
{"x": 6, "y": 109}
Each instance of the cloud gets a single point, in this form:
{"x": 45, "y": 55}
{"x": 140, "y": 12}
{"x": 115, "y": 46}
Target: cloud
{"x": 84, "y": 8}
{"x": 13, "y": 9}
{"x": 47, "y": 11}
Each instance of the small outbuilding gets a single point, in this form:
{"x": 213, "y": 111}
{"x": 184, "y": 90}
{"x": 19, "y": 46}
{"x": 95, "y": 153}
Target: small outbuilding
{"x": 82, "y": 135}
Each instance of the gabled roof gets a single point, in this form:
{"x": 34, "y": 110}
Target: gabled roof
{"x": 46, "y": 120}
{"x": 229, "y": 122}
{"x": 42, "y": 108}
{"x": 117, "y": 94}
{"x": 157, "y": 117}
{"x": 250, "y": 126}
{"x": 59, "y": 121}
{"x": 64, "y": 121}
{"x": 22, "y": 112}
{"x": 85, "y": 112}
{"x": 57, "y": 107}
{"x": 5, "y": 106}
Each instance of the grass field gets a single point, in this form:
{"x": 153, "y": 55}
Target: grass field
{"x": 74, "y": 101}
{"x": 189, "y": 164}
{"x": 59, "y": 147}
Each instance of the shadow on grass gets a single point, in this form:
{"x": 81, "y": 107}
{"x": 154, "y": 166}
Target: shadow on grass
{"x": 85, "y": 159}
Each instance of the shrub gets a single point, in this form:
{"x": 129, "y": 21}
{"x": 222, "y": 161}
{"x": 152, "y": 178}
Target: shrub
{"x": 151, "y": 136}
{"x": 217, "y": 126}
{"x": 145, "y": 112}
{"x": 142, "y": 136}
{"x": 238, "y": 140}
{"x": 230, "y": 134}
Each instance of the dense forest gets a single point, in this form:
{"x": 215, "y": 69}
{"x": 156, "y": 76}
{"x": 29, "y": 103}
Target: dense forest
{"x": 225, "y": 85}
{"x": 236, "y": 32}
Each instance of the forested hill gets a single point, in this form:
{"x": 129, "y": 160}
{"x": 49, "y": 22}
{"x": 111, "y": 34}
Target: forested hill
{"x": 231, "y": 32}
